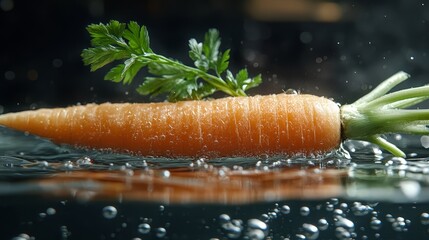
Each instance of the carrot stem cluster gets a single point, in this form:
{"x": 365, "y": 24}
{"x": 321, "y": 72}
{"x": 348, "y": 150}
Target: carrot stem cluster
{"x": 380, "y": 112}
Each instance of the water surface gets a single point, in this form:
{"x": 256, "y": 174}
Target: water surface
{"x": 51, "y": 191}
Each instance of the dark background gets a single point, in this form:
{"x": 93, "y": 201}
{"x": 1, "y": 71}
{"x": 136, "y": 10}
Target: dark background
{"x": 331, "y": 48}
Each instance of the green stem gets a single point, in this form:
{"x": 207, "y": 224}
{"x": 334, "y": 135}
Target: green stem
{"x": 213, "y": 80}
{"x": 406, "y": 94}
{"x": 408, "y": 102}
{"x": 384, "y": 87}
{"x": 379, "y": 113}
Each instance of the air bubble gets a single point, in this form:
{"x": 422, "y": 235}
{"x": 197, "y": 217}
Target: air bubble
{"x": 338, "y": 213}
{"x": 57, "y": 63}
{"x": 304, "y": 211}
{"x": 143, "y": 228}
{"x": 424, "y": 218}
{"x": 399, "y": 225}
{"x": 330, "y": 207}
{"x": 233, "y": 229}
{"x": 9, "y": 75}
{"x": 161, "y": 232}
{"x": 257, "y": 224}
{"x": 424, "y": 140}
{"x": 224, "y": 218}
{"x": 255, "y": 234}
{"x": 68, "y": 165}
{"x": 345, "y": 223}
{"x": 110, "y": 212}
{"x": 84, "y": 161}
{"x": 342, "y": 234}
{"x": 322, "y": 224}
{"x": 265, "y": 217}
{"x": 43, "y": 164}
{"x": 390, "y": 218}
{"x": 310, "y": 231}
{"x": 306, "y": 37}
{"x": 299, "y": 237}
{"x": 396, "y": 161}
{"x": 285, "y": 209}
{"x": 410, "y": 188}
{"x": 22, "y": 236}
{"x": 360, "y": 210}
{"x": 51, "y": 211}
{"x": 65, "y": 233}
{"x": 272, "y": 215}
{"x": 376, "y": 224}
{"x": 165, "y": 174}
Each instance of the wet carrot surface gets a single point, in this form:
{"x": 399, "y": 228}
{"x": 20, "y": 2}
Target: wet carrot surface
{"x": 233, "y": 126}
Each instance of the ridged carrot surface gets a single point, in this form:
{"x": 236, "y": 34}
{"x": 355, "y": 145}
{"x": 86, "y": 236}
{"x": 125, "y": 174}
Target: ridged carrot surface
{"x": 232, "y": 126}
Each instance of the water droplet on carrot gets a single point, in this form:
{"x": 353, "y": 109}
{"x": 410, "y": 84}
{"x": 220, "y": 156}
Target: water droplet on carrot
{"x": 291, "y": 91}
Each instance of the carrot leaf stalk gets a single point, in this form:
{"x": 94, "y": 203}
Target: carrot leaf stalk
{"x": 380, "y": 112}
{"x": 129, "y": 44}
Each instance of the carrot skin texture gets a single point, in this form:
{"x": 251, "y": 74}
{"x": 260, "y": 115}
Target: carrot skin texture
{"x": 232, "y": 126}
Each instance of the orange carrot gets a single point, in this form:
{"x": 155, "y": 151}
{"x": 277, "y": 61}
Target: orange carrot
{"x": 234, "y": 126}
{"x": 239, "y": 125}
{"x": 273, "y": 124}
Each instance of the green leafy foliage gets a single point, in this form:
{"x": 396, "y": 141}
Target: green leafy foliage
{"x": 130, "y": 44}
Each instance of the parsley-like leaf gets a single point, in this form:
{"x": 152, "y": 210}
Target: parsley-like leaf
{"x": 130, "y": 45}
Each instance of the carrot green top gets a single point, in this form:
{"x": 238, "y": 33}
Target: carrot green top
{"x": 380, "y": 112}
{"x": 130, "y": 43}
{"x": 374, "y": 114}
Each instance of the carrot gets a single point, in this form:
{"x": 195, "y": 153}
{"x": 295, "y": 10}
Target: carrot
{"x": 238, "y": 125}
{"x": 233, "y": 126}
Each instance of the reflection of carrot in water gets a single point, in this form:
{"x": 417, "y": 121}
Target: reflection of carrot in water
{"x": 202, "y": 186}
{"x": 229, "y": 126}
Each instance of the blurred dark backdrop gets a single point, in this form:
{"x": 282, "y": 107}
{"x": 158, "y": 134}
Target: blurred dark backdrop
{"x": 332, "y": 48}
